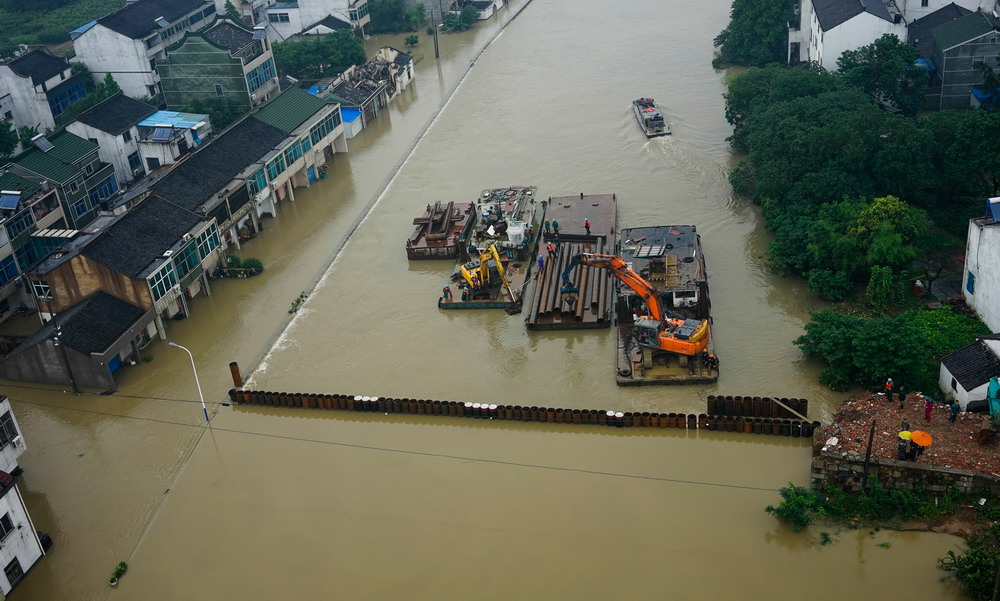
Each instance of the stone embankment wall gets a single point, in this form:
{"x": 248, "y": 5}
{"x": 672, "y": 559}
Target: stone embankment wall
{"x": 846, "y": 471}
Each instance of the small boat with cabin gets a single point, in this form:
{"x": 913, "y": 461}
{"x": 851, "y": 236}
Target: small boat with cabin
{"x": 650, "y": 118}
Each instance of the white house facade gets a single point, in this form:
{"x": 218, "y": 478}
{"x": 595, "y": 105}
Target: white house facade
{"x": 37, "y": 87}
{"x": 20, "y": 545}
{"x": 965, "y": 374}
{"x": 127, "y": 42}
{"x": 916, "y": 9}
{"x": 113, "y": 125}
{"x": 286, "y": 19}
{"x": 981, "y": 283}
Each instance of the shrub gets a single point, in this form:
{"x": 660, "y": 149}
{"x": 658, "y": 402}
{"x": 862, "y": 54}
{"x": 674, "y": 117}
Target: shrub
{"x": 252, "y": 264}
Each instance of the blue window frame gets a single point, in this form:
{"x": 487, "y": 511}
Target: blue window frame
{"x": 103, "y": 190}
{"x": 8, "y": 270}
{"x": 261, "y": 75}
{"x": 59, "y": 102}
{"x": 276, "y": 167}
{"x": 970, "y": 283}
{"x": 19, "y": 223}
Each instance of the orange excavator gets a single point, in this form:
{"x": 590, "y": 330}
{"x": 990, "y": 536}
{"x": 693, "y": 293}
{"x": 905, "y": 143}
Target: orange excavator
{"x": 656, "y": 330}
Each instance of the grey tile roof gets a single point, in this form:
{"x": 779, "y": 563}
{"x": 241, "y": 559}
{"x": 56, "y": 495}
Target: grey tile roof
{"x": 832, "y": 13}
{"x": 402, "y": 58}
{"x": 919, "y": 31}
{"x": 229, "y": 36}
{"x": 973, "y": 365}
{"x": 116, "y": 114}
{"x": 90, "y": 326}
{"x": 352, "y": 95}
{"x": 38, "y": 65}
{"x": 141, "y": 236}
{"x": 193, "y": 182}
{"x": 332, "y": 22}
{"x": 138, "y": 20}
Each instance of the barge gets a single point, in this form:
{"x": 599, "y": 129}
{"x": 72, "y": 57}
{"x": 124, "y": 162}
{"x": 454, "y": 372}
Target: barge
{"x": 497, "y": 257}
{"x": 670, "y": 259}
{"x": 650, "y": 119}
{"x": 441, "y": 231}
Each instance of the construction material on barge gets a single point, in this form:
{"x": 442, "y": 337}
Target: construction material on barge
{"x": 442, "y": 231}
{"x": 496, "y": 259}
{"x": 669, "y": 258}
{"x": 574, "y": 225}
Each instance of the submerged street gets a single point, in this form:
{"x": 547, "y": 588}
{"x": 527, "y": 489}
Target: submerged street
{"x": 284, "y": 503}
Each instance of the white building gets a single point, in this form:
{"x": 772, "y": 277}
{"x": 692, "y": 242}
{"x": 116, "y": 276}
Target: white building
{"x": 252, "y": 10}
{"x": 128, "y": 41}
{"x": 20, "y": 545}
{"x": 966, "y": 373}
{"x": 824, "y": 29}
{"x": 981, "y": 282}
{"x": 285, "y": 19}
{"x": 37, "y": 87}
{"x": 484, "y": 8}
{"x": 112, "y": 124}
{"x": 166, "y": 136}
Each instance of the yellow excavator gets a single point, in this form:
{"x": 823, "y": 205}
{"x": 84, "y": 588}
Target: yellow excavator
{"x": 486, "y": 273}
{"x": 656, "y": 330}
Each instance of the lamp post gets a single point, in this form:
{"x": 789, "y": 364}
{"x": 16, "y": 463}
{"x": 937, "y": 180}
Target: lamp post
{"x": 196, "y": 381}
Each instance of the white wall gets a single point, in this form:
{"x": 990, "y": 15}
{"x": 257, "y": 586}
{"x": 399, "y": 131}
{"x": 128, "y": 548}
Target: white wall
{"x": 912, "y": 10}
{"x": 22, "y": 542}
{"x": 852, "y": 34}
{"x": 982, "y": 259}
{"x": 10, "y": 453}
{"x": 27, "y": 103}
{"x": 112, "y": 149}
{"x": 106, "y": 51}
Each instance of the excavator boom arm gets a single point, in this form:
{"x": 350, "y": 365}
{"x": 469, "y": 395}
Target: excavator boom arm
{"x": 621, "y": 270}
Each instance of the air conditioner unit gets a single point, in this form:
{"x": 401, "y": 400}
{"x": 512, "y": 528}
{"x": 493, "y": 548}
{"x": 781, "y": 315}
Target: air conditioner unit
{"x": 137, "y": 173}
{"x": 17, "y": 440}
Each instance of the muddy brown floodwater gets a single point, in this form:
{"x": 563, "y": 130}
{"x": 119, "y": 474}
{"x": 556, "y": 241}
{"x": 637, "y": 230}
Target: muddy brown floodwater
{"x": 271, "y": 504}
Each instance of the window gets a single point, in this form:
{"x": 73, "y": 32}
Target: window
{"x": 257, "y": 182}
{"x": 13, "y": 571}
{"x": 152, "y": 163}
{"x": 79, "y": 208}
{"x": 7, "y": 429}
{"x": 923, "y": 2}
{"x": 135, "y": 163}
{"x": 58, "y": 102}
{"x": 978, "y": 59}
{"x": 218, "y": 90}
{"x": 207, "y": 241}
{"x": 306, "y": 144}
{"x": 277, "y": 17}
{"x": 162, "y": 281}
{"x": 8, "y": 116}
{"x": 186, "y": 260}
{"x": 970, "y": 283}
{"x": 357, "y": 14}
{"x": 19, "y": 224}
{"x": 954, "y": 384}
{"x": 41, "y": 288}
{"x": 276, "y": 167}
{"x": 261, "y": 75}
{"x": 127, "y": 136}
{"x": 73, "y": 187}
{"x": 89, "y": 168}
{"x": 150, "y": 42}
{"x": 8, "y": 269}
{"x": 94, "y": 140}
{"x": 103, "y": 190}
{"x": 152, "y": 90}
{"x": 293, "y": 153}
{"x": 993, "y": 40}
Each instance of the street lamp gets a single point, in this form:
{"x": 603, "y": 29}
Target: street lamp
{"x": 196, "y": 381}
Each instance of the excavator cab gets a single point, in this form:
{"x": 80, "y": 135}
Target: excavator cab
{"x": 647, "y": 331}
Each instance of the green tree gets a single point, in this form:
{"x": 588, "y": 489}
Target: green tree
{"x": 389, "y": 16}
{"x": 411, "y": 40}
{"x": 883, "y": 287}
{"x": 990, "y": 84}
{"x": 319, "y": 56}
{"x": 757, "y": 33}
{"x": 417, "y": 16}
{"x": 945, "y": 330}
{"x": 469, "y": 15}
{"x": 8, "y": 140}
{"x": 104, "y": 89}
{"x": 232, "y": 13}
{"x": 222, "y": 112}
{"x": 976, "y": 568}
{"x": 26, "y": 133}
{"x": 884, "y": 70}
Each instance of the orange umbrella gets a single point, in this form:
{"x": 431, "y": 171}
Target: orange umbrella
{"x": 921, "y": 438}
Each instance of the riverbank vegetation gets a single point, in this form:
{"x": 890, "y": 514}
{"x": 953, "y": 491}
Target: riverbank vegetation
{"x": 391, "y": 16}
{"x": 879, "y": 506}
{"x": 46, "y": 21}
{"x": 858, "y": 191}
{"x": 757, "y": 34}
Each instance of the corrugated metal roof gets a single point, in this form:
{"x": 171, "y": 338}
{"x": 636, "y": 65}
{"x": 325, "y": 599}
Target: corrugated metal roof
{"x": 962, "y": 30}
{"x": 290, "y": 109}
{"x": 11, "y": 181}
{"x": 57, "y": 163}
{"x": 173, "y": 119}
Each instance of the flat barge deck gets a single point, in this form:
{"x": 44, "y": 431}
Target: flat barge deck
{"x": 441, "y": 231}
{"x": 548, "y": 308}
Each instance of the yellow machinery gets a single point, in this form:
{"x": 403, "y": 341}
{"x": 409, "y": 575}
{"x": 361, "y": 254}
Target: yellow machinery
{"x": 487, "y": 273}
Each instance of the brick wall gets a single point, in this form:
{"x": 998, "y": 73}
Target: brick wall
{"x": 846, "y": 471}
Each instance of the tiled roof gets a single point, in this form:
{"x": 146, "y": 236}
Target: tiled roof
{"x": 116, "y": 114}
{"x": 138, "y": 20}
{"x": 351, "y": 94}
{"x": 141, "y": 236}
{"x": 193, "y": 182}
{"x": 402, "y": 58}
{"x": 973, "y": 365}
{"x": 919, "y": 31}
{"x": 57, "y": 163}
{"x": 291, "y": 108}
{"x": 90, "y": 326}
{"x": 39, "y": 65}
{"x": 10, "y": 181}
{"x": 230, "y": 36}
{"x": 331, "y": 22}
{"x": 962, "y": 30}
{"x": 832, "y": 13}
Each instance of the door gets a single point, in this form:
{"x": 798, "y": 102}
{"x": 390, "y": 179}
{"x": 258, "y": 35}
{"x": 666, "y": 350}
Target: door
{"x": 115, "y": 363}
{"x": 311, "y": 173}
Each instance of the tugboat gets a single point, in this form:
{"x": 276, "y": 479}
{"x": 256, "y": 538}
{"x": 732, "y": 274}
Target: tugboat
{"x": 650, "y": 119}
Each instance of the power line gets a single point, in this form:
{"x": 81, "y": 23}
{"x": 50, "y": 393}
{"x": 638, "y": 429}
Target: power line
{"x": 117, "y": 395}
{"x": 412, "y": 452}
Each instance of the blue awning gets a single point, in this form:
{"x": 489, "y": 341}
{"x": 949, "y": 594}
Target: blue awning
{"x": 926, "y": 64}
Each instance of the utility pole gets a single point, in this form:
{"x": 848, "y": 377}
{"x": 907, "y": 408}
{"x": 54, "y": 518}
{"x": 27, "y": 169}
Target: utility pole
{"x": 868, "y": 454}
{"x": 69, "y": 368}
{"x": 437, "y": 54}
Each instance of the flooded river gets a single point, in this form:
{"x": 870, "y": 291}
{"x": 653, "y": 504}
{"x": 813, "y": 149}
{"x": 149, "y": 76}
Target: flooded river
{"x": 274, "y": 504}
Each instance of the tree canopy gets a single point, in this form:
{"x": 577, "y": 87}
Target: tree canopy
{"x": 8, "y": 140}
{"x": 884, "y": 70}
{"x": 391, "y": 16}
{"x": 320, "y": 55}
{"x": 757, "y": 33}
{"x": 104, "y": 89}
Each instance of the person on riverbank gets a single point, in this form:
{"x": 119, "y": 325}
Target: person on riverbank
{"x": 928, "y": 407}
{"x": 953, "y": 411}
{"x": 901, "y": 449}
{"x": 888, "y": 390}
{"x": 902, "y": 395}
{"x": 586, "y": 225}
{"x": 446, "y": 291}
